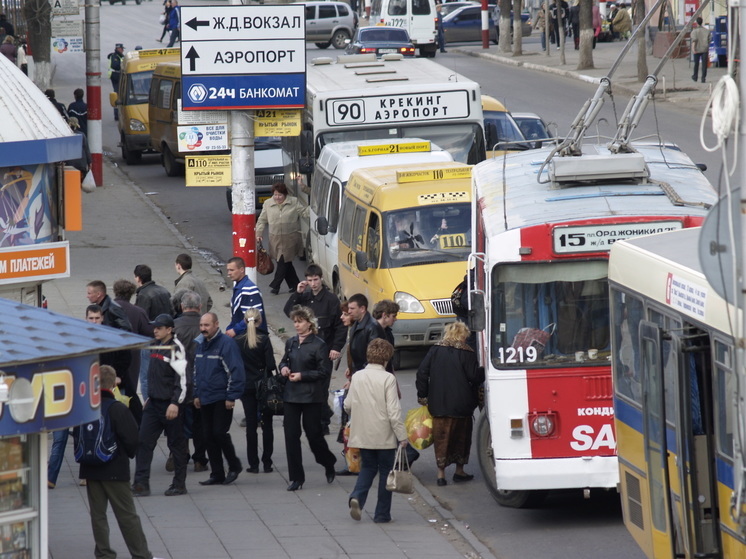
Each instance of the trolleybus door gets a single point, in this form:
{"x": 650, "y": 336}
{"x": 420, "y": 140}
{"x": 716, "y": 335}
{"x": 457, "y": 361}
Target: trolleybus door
{"x": 678, "y": 439}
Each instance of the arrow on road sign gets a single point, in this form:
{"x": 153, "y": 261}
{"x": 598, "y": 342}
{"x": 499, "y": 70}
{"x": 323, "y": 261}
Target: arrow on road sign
{"x": 194, "y": 23}
{"x": 192, "y": 56}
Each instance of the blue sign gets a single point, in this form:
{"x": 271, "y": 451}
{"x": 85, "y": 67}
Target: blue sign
{"x": 243, "y": 92}
{"x": 51, "y": 395}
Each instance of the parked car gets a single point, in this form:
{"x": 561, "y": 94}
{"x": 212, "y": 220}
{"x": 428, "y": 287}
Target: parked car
{"x": 465, "y": 24}
{"x": 381, "y": 40}
{"x": 534, "y": 128}
{"x": 329, "y": 23}
{"x": 448, "y": 7}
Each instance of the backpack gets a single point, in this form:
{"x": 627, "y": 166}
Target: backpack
{"x": 458, "y": 298}
{"x": 96, "y": 442}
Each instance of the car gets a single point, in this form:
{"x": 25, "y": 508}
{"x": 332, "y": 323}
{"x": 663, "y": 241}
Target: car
{"x": 381, "y": 40}
{"x": 448, "y": 7}
{"x": 502, "y": 133}
{"x": 329, "y": 23}
{"x": 533, "y": 127}
{"x": 465, "y": 24}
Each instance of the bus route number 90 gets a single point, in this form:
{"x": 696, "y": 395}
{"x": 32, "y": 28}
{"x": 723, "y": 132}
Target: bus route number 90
{"x": 517, "y": 354}
{"x": 348, "y": 111}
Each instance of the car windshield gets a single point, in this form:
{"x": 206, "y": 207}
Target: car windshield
{"x": 532, "y": 128}
{"x": 463, "y": 141}
{"x": 500, "y": 128}
{"x": 427, "y": 235}
{"x": 267, "y": 142}
{"x": 138, "y": 87}
{"x": 550, "y": 314}
{"x": 374, "y": 35}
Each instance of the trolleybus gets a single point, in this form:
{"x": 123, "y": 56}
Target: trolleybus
{"x": 543, "y": 224}
{"x": 359, "y": 97}
{"x": 675, "y": 400}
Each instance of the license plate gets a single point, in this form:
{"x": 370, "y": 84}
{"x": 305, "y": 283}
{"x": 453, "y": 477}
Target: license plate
{"x": 387, "y": 51}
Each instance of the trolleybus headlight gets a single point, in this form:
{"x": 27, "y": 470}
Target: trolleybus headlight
{"x": 542, "y": 424}
{"x": 408, "y": 303}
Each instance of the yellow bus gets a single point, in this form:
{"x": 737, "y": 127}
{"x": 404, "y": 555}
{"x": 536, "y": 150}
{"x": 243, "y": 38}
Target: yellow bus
{"x": 677, "y": 401}
{"x": 132, "y": 99}
{"x": 404, "y": 234}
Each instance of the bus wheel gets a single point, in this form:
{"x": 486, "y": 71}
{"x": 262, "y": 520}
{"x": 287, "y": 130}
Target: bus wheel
{"x": 337, "y": 288}
{"x": 309, "y": 252}
{"x": 511, "y": 499}
{"x": 323, "y": 45}
{"x": 173, "y": 168}
{"x": 130, "y": 157}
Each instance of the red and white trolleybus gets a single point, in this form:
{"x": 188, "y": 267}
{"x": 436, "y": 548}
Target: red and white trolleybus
{"x": 543, "y": 223}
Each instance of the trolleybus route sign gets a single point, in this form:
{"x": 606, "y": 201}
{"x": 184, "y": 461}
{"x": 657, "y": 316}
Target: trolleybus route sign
{"x": 575, "y": 239}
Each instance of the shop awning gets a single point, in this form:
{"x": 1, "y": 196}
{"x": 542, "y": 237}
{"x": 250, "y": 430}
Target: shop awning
{"x": 34, "y": 335}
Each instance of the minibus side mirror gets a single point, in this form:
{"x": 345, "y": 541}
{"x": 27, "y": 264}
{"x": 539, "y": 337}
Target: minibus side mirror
{"x": 361, "y": 260}
{"x": 322, "y": 225}
{"x": 305, "y": 165}
{"x": 477, "y": 318}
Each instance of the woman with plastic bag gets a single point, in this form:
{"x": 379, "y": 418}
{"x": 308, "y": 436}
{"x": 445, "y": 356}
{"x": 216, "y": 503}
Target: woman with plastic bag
{"x": 376, "y": 428}
{"x": 448, "y": 382}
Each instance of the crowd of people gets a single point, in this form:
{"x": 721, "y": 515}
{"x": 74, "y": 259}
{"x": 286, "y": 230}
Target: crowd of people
{"x": 193, "y": 373}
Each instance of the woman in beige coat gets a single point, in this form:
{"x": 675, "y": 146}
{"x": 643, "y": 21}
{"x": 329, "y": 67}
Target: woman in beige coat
{"x": 283, "y": 214}
{"x": 376, "y": 428}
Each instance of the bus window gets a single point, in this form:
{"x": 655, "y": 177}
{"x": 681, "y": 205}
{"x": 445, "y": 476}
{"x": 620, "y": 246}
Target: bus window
{"x": 545, "y": 314}
{"x": 164, "y": 94}
{"x": 420, "y": 7}
{"x": 627, "y": 313}
{"x": 426, "y": 235}
{"x": 358, "y": 223}
{"x": 726, "y": 391}
{"x": 345, "y": 230}
{"x": 373, "y": 242}
{"x": 333, "y": 212}
{"x": 138, "y": 88}
{"x": 398, "y": 8}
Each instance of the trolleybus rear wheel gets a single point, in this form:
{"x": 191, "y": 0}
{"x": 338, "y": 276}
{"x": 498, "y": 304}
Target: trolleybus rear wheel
{"x": 512, "y": 499}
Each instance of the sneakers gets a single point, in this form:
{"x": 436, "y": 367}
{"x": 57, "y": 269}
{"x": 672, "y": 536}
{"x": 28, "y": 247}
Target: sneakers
{"x": 175, "y": 490}
{"x": 140, "y": 490}
{"x": 355, "y": 510}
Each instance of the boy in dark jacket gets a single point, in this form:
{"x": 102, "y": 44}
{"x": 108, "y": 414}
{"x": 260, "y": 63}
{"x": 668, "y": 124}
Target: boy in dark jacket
{"x": 109, "y": 483}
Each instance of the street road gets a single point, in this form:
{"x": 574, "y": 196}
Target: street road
{"x": 567, "y": 525}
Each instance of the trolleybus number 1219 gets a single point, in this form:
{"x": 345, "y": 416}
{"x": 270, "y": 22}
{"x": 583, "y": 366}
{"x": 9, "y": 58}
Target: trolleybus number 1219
{"x": 517, "y": 354}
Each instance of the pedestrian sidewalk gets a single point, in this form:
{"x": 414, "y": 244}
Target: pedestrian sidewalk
{"x": 256, "y": 516}
{"x": 675, "y": 82}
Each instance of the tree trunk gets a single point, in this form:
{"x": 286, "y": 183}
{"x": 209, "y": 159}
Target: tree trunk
{"x": 585, "y": 55}
{"x": 638, "y": 14}
{"x": 504, "y": 43}
{"x": 38, "y": 14}
{"x": 561, "y": 23}
{"x": 517, "y": 28}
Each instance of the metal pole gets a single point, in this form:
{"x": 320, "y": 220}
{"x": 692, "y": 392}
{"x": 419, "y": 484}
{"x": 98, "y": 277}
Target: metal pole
{"x": 486, "y": 25}
{"x": 93, "y": 89}
{"x": 242, "y": 185}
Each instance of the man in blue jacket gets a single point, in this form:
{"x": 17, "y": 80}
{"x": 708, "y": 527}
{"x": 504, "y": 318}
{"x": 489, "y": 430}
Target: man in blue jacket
{"x": 246, "y": 295}
{"x": 219, "y": 380}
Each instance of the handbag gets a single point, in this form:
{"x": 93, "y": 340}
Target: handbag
{"x": 400, "y": 480}
{"x": 264, "y": 264}
{"x": 269, "y": 392}
{"x": 162, "y": 19}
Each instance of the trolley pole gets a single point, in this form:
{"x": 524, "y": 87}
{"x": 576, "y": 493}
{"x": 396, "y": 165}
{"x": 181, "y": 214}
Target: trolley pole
{"x": 93, "y": 88}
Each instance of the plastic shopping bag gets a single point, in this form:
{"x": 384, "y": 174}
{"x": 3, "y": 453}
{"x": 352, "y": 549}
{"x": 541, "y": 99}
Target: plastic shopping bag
{"x": 419, "y": 425}
{"x": 353, "y": 460}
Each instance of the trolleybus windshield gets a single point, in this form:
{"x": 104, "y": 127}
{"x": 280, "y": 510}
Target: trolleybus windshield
{"x": 550, "y": 314}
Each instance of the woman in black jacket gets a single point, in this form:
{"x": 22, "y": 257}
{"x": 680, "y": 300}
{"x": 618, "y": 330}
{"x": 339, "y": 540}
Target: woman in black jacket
{"x": 259, "y": 363}
{"x": 307, "y": 368}
{"x": 447, "y": 382}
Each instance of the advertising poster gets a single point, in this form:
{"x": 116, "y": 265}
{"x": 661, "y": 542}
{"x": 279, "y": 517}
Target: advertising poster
{"x": 28, "y": 211}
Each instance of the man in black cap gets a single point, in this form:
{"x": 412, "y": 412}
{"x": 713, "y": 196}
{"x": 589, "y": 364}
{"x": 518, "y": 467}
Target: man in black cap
{"x": 115, "y": 70}
{"x": 169, "y": 384}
